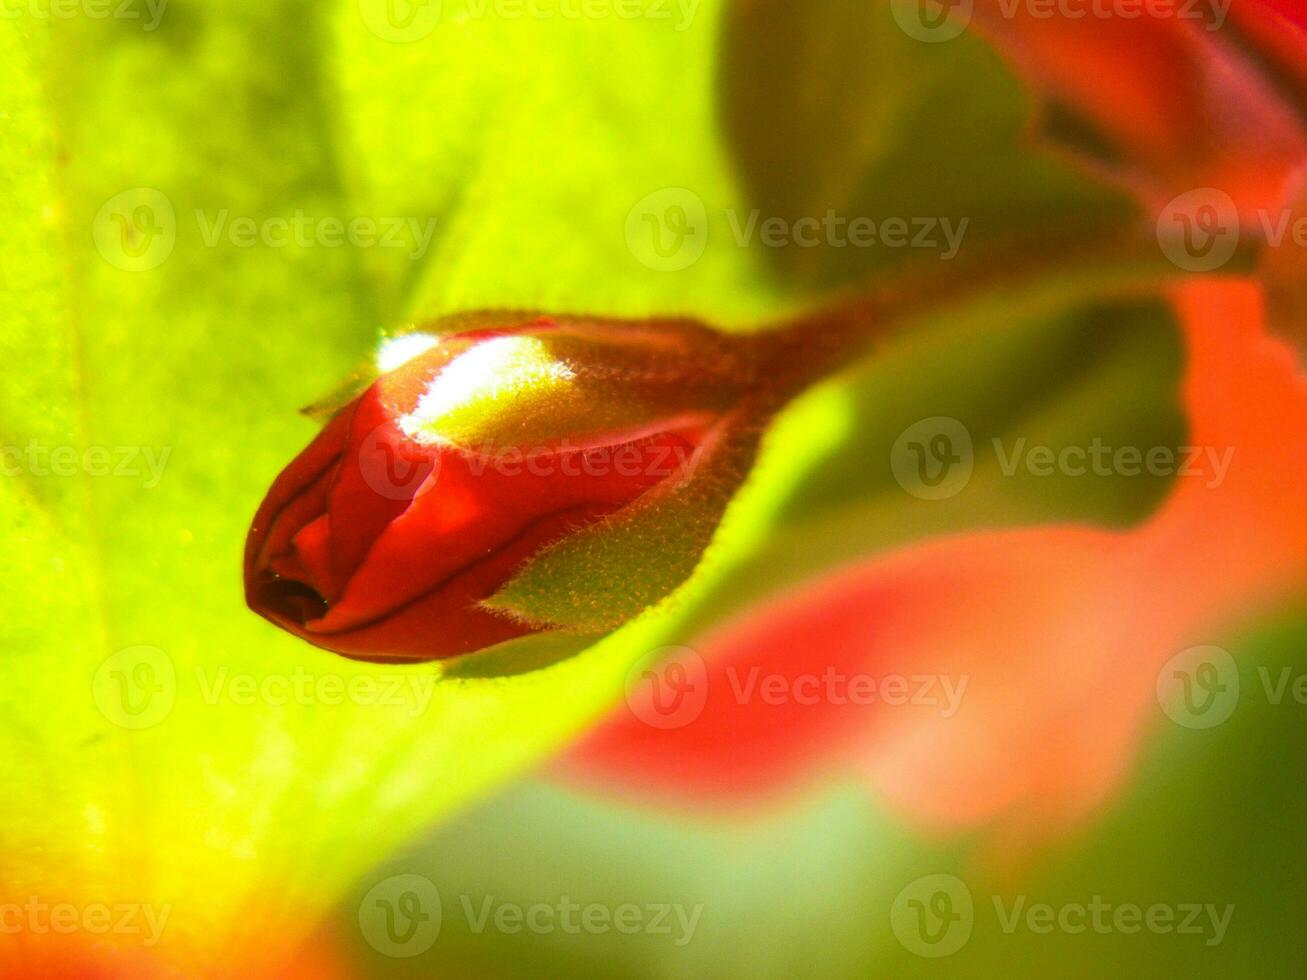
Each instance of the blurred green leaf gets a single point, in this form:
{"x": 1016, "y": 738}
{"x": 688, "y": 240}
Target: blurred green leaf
{"x": 1209, "y": 819}
{"x": 833, "y": 109}
{"x": 1104, "y": 375}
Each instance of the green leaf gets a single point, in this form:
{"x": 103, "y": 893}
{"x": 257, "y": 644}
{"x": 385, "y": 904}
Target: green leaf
{"x": 807, "y": 889}
{"x": 157, "y": 744}
{"x": 834, "y": 111}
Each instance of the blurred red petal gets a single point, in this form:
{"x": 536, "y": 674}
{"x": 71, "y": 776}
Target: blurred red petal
{"x": 1181, "y": 105}
{"x": 1278, "y": 28}
{"x": 1057, "y": 633}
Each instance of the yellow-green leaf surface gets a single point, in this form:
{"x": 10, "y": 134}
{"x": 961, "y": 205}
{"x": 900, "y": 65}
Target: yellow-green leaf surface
{"x": 176, "y": 284}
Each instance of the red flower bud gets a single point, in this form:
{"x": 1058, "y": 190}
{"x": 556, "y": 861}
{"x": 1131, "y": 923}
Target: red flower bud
{"x": 561, "y": 474}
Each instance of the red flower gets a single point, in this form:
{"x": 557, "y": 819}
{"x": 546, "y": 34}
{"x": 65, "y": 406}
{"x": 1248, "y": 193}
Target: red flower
{"x": 1059, "y": 641}
{"x": 556, "y": 474}
{"x": 1046, "y": 645}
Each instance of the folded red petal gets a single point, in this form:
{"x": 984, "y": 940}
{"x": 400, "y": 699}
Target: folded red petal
{"x": 435, "y": 488}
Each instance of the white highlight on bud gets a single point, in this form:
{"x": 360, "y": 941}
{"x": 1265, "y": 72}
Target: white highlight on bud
{"x": 501, "y": 368}
{"x": 397, "y": 351}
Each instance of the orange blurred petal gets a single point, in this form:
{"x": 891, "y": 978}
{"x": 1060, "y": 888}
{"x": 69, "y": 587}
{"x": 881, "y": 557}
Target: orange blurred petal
{"x": 94, "y": 938}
